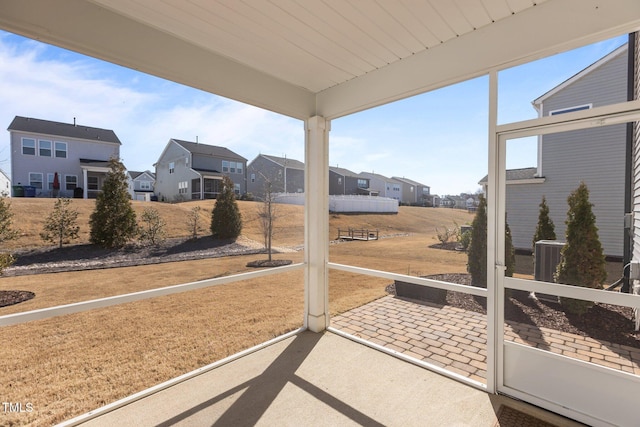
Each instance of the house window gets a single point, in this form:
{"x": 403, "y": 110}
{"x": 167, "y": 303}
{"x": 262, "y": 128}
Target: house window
{"x": 362, "y": 183}
{"x": 570, "y": 109}
{"x": 145, "y": 185}
{"x": 70, "y": 182}
{"x": 172, "y": 167}
{"x": 339, "y": 180}
{"x": 35, "y": 179}
{"x": 49, "y": 181}
{"x": 92, "y": 182}
{"x": 61, "y": 149}
{"x": 239, "y": 167}
{"x": 236, "y": 189}
{"x": 183, "y": 187}
{"x": 253, "y": 177}
{"x": 225, "y": 166}
{"x": 44, "y": 148}
{"x": 396, "y": 188}
{"x": 29, "y": 146}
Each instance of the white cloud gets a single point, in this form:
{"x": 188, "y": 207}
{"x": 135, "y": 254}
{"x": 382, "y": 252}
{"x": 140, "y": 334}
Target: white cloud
{"x": 48, "y": 83}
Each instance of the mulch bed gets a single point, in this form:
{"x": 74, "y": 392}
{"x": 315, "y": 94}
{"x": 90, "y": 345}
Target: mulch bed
{"x": 267, "y": 263}
{"x": 14, "y": 297}
{"x": 602, "y": 321}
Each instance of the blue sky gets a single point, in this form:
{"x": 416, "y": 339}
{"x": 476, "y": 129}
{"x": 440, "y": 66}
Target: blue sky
{"x": 438, "y": 138}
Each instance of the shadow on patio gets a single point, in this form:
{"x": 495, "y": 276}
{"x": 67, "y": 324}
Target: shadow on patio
{"x": 318, "y": 379}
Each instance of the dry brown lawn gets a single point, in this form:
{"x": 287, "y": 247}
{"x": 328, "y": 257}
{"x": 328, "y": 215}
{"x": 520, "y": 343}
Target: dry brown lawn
{"x": 71, "y": 364}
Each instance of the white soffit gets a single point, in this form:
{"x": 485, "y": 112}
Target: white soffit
{"x": 325, "y": 57}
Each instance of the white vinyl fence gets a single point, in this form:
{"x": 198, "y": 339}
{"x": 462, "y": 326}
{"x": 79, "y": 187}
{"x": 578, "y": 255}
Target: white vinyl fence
{"x": 346, "y": 204}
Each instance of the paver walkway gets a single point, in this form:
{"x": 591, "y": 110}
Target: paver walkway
{"x": 456, "y": 339}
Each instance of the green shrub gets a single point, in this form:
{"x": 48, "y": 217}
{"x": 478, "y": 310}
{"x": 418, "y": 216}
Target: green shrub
{"x": 582, "y": 260}
{"x": 226, "y": 221}
{"x": 477, "y": 252}
{"x": 113, "y": 221}
{"x": 545, "y": 230}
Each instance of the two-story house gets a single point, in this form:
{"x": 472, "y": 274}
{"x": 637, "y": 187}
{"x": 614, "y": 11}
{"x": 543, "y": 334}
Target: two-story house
{"x": 193, "y": 171}
{"x": 414, "y": 193}
{"x": 344, "y": 182}
{"x": 384, "y": 186}
{"x": 559, "y": 171}
{"x": 79, "y": 155}
{"x": 141, "y": 184}
{"x": 285, "y": 175}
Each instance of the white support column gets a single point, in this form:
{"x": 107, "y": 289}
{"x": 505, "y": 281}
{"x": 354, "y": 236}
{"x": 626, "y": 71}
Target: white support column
{"x": 316, "y": 242}
{"x": 85, "y": 180}
{"x": 495, "y": 242}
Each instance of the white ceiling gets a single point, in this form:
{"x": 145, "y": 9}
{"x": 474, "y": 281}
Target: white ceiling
{"x": 318, "y": 57}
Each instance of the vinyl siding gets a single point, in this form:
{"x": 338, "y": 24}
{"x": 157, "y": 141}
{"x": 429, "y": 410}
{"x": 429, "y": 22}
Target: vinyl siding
{"x": 263, "y": 167}
{"x": 166, "y": 185}
{"x": 636, "y": 161}
{"x": 22, "y": 164}
{"x": 595, "y": 156}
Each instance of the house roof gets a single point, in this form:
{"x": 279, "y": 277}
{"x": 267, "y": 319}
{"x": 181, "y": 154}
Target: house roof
{"x": 47, "y": 127}
{"x": 515, "y": 175}
{"x": 285, "y": 161}
{"x": 586, "y": 71}
{"x": 208, "y": 150}
{"x": 409, "y": 181}
{"x": 136, "y": 174}
{"x": 343, "y": 172}
{"x": 306, "y": 59}
{"x": 371, "y": 175}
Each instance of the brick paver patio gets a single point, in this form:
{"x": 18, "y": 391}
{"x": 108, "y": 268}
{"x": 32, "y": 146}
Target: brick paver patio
{"x": 456, "y": 339}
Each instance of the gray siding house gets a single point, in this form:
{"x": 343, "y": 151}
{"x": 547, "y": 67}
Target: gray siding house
{"x": 286, "y": 175}
{"x": 141, "y": 184}
{"x": 415, "y": 193}
{"x": 385, "y": 187}
{"x": 192, "y": 171}
{"x": 600, "y": 163}
{"x": 79, "y": 154}
{"x": 344, "y": 182}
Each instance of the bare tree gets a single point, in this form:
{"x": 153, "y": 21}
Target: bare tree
{"x": 267, "y": 216}
{"x": 153, "y": 227}
{"x": 194, "y": 221}
{"x": 61, "y": 225}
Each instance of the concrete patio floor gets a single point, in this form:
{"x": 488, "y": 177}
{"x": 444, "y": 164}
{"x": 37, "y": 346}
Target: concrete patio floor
{"x": 318, "y": 380}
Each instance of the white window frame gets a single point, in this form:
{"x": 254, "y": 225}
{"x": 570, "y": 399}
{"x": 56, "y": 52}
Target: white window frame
{"x": 239, "y": 167}
{"x": 33, "y": 181}
{"x": 253, "y": 177}
{"x": 33, "y": 148}
{"x": 49, "y": 181}
{"x": 57, "y": 152}
{"x": 172, "y": 167}
{"x": 91, "y": 185}
{"x": 145, "y": 185}
{"x": 70, "y": 185}
{"x": 225, "y": 166}
{"x": 236, "y": 189}
{"x": 40, "y": 148}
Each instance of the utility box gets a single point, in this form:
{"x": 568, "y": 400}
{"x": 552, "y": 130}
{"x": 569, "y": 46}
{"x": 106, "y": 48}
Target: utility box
{"x": 547, "y": 258}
